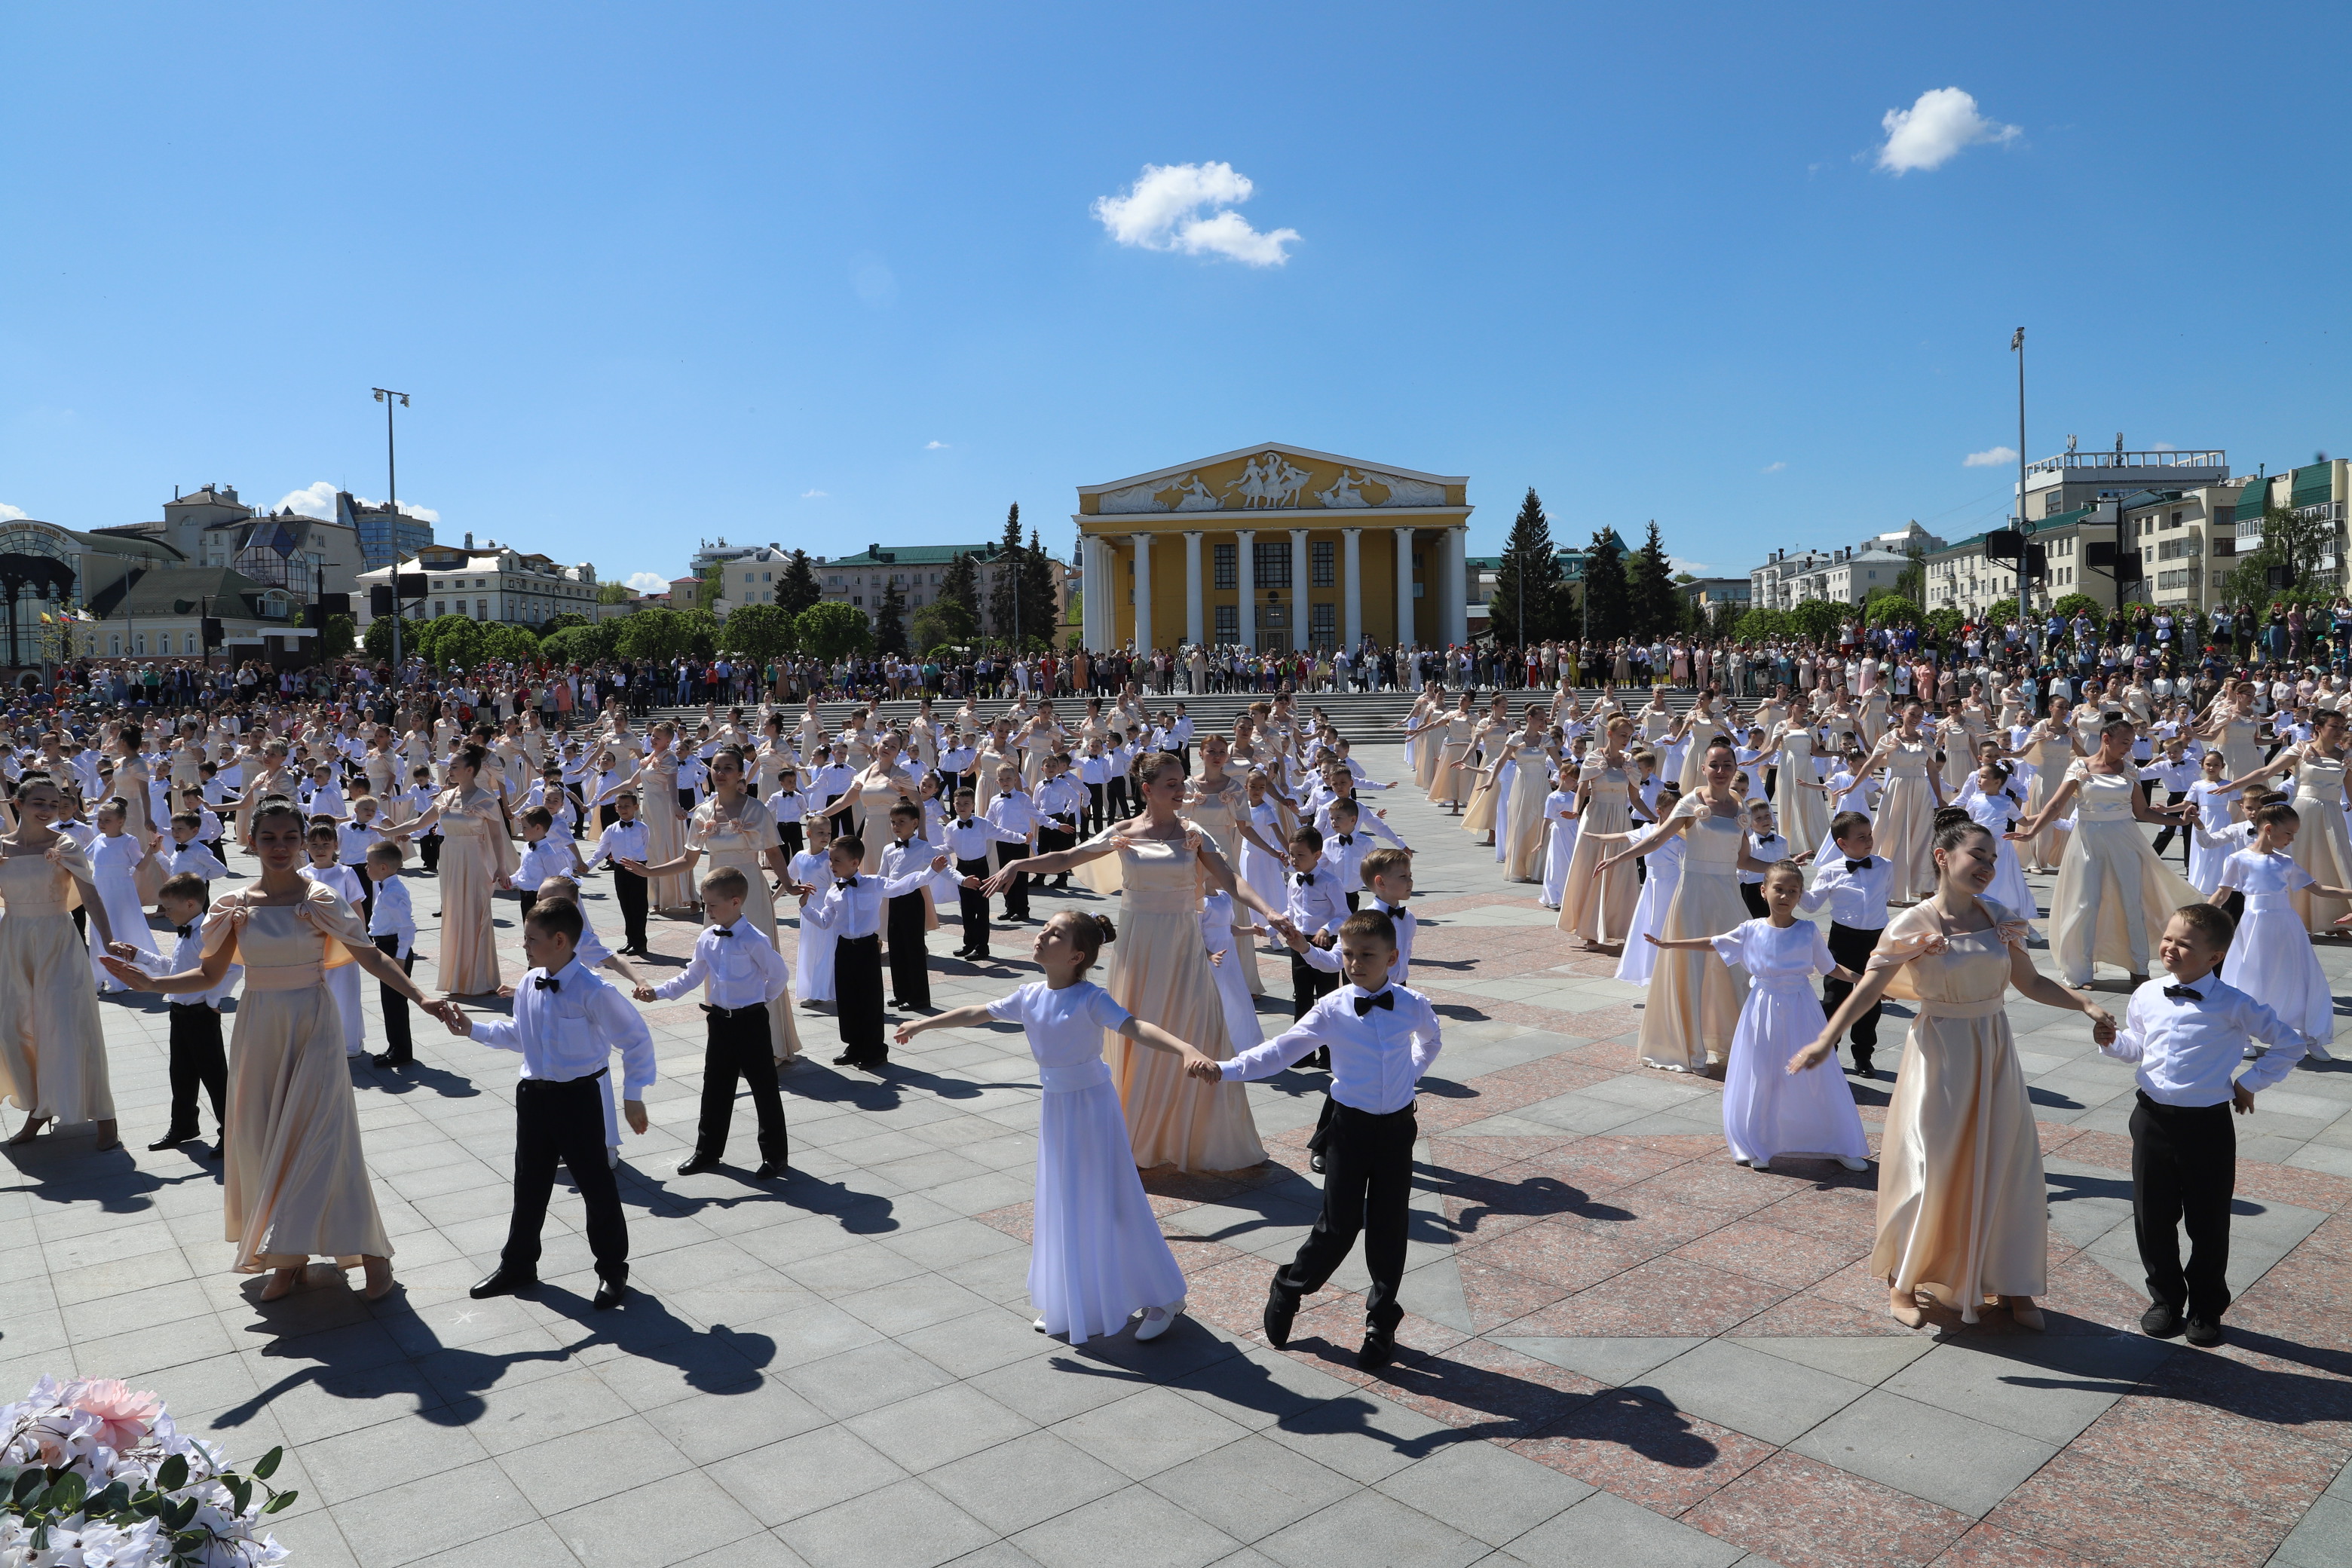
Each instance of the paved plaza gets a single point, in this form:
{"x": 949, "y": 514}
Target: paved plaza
{"x": 1620, "y": 1349}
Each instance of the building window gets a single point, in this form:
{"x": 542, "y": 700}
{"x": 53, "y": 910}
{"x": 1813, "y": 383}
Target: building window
{"x": 857, "y": 599}
{"x": 1323, "y": 621}
{"x": 1229, "y": 616}
{"x": 1226, "y": 567}
{"x": 1325, "y": 571}
{"x": 481, "y": 609}
{"x": 138, "y": 642}
{"x": 440, "y": 606}
{"x": 832, "y": 582}
{"x": 1271, "y": 565}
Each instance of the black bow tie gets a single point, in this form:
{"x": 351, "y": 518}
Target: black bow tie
{"x": 1396, "y": 911}
{"x": 723, "y": 930}
{"x": 1366, "y": 1003}
{"x": 1307, "y": 878}
{"x": 1347, "y": 838}
{"x": 845, "y": 882}
{"x": 1861, "y": 864}
{"x": 548, "y": 982}
{"x": 185, "y": 930}
{"x": 963, "y": 822}
{"x": 2182, "y": 993}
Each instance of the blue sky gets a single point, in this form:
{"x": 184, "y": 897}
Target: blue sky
{"x": 832, "y": 275}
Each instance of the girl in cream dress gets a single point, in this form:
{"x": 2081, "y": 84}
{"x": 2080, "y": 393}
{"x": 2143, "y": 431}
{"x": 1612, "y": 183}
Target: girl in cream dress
{"x": 475, "y": 853}
{"x": 1695, "y": 998}
{"x": 1218, "y": 802}
{"x": 294, "y": 1178}
{"x": 1532, "y": 756}
{"x": 52, "y": 1045}
{"x": 2323, "y": 846}
{"x": 2049, "y": 750}
{"x": 1598, "y": 905}
{"x": 1904, "y": 825}
{"x": 2114, "y": 896}
{"x": 1450, "y": 736}
{"x": 1963, "y": 1214}
{"x": 1804, "y": 813}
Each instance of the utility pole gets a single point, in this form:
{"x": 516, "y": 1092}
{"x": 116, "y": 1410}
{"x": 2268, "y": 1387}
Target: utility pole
{"x": 2025, "y": 551}
{"x": 386, "y": 395}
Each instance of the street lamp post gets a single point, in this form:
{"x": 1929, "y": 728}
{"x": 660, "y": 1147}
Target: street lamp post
{"x": 386, "y": 397}
{"x": 2017, "y": 346}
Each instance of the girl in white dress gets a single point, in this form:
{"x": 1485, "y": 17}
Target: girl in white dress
{"x": 1097, "y": 1254}
{"x": 2215, "y": 799}
{"x": 1994, "y": 800}
{"x": 1768, "y": 1111}
{"x": 812, "y": 957}
{"x": 1232, "y": 978}
{"x": 1559, "y": 815}
{"x": 115, "y": 857}
{"x": 1665, "y": 868}
{"x": 2269, "y": 957}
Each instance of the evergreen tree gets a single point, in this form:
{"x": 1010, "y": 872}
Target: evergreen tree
{"x": 890, "y": 620}
{"x": 1004, "y": 582}
{"x": 960, "y": 585}
{"x": 1654, "y": 606}
{"x": 798, "y": 590}
{"x": 1040, "y": 616}
{"x": 1604, "y": 589}
{"x": 1530, "y": 577}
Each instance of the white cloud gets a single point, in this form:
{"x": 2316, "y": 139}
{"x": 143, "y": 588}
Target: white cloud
{"x": 1991, "y": 458}
{"x": 935, "y": 445}
{"x": 1696, "y": 568}
{"x": 814, "y": 495}
{"x": 11, "y": 514}
{"x": 1774, "y": 468}
{"x": 646, "y": 583}
{"x": 319, "y": 500}
{"x": 1163, "y": 211}
{"x": 1933, "y": 130}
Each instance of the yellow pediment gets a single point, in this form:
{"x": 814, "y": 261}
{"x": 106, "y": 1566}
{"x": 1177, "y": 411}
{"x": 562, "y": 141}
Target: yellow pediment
{"x": 1275, "y": 478}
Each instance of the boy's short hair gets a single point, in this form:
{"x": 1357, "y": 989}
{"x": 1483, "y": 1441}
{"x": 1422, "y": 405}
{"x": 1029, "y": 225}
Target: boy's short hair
{"x": 2210, "y": 922}
{"x": 1845, "y": 822}
{"x": 560, "y": 917}
{"x": 907, "y": 808}
{"x": 558, "y": 888}
{"x": 186, "y": 819}
{"x": 1760, "y": 803}
{"x": 728, "y": 883}
{"x": 368, "y": 801}
{"x": 1370, "y": 925}
{"x": 1308, "y": 835}
{"x": 182, "y": 885}
{"x": 1345, "y": 803}
{"x": 539, "y": 816}
{"x": 965, "y": 794}
{"x": 387, "y": 849}
{"x": 1387, "y": 858}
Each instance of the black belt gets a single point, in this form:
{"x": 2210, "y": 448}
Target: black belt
{"x": 875, "y": 939}
{"x": 562, "y": 1082}
{"x": 758, "y": 1008}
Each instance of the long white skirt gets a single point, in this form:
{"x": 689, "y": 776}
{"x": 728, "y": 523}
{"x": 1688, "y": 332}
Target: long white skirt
{"x": 1505, "y": 777}
{"x": 128, "y": 920}
{"x": 1227, "y": 961}
{"x": 1097, "y": 1257}
{"x": 343, "y": 985}
{"x": 1556, "y": 859}
{"x": 1640, "y": 958}
{"x": 1766, "y": 1112}
{"x": 812, "y": 965}
{"x": 2272, "y": 961}
{"x": 2007, "y": 886}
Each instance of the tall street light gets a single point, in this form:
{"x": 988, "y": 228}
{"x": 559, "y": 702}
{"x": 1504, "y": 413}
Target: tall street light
{"x": 386, "y": 397}
{"x": 2024, "y": 551}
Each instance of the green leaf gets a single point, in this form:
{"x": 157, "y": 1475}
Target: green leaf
{"x": 180, "y": 1514}
{"x": 67, "y": 1491}
{"x": 267, "y": 1465}
{"x": 30, "y": 1483}
{"x": 172, "y": 1474}
{"x": 281, "y": 1502}
{"x": 114, "y": 1499}
{"x": 241, "y": 1490}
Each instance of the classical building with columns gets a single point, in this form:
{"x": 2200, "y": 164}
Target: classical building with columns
{"x": 1309, "y": 551}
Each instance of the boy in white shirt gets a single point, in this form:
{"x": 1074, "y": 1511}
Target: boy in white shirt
{"x": 1765, "y": 843}
{"x": 391, "y": 926}
{"x": 188, "y": 856}
{"x": 197, "y": 1058}
{"x": 742, "y": 977}
{"x": 543, "y": 855}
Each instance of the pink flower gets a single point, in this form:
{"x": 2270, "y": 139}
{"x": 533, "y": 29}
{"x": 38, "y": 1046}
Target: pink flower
{"x": 124, "y": 1417}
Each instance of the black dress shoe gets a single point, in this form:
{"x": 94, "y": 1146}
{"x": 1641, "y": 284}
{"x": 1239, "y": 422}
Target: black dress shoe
{"x": 770, "y": 1170}
{"x": 609, "y": 1292}
{"x": 505, "y": 1281}
{"x": 695, "y": 1164}
{"x": 1862, "y": 1065}
{"x": 1379, "y": 1349}
{"x": 171, "y": 1139}
{"x": 1279, "y": 1315}
{"x": 2204, "y": 1332}
{"x": 388, "y": 1061}
{"x": 1315, "y": 1163}
{"x": 2161, "y": 1321}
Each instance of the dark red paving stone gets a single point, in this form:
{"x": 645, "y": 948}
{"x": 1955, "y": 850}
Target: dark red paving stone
{"x": 1766, "y": 1252}
{"x": 1231, "y": 1296}
{"x": 1012, "y": 1219}
{"x": 1498, "y": 1295}
{"x": 1328, "y": 1334}
{"x": 1616, "y": 1055}
{"x": 2333, "y": 1238}
{"x": 1473, "y": 1220}
{"x": 1717, "y": 1185}
{"x": 2210, "y": 1451}
{"x": 2056, "y": 1135}
{"x": 1544, "y": 1078}
{"x": 1570, "y": 1252}
{"x": 2100, "y": 1511}
{"x": 1858, "y": 1285}
{"x": 1664, "y": 1296}
{"x": 2285, "y": 1316}
{"x": 2289, "y": 1184}
{"x": 1989, "y": 1546}
{"x": 1653, "y": 1224}
{"x": 1796, "y": 1510}
{"x": 2111, "y": 1150}
{"x": 2313, "y": 1276}
{"x": 2085, "y": 1292}
{"x": 1485, "y": 1390}
{"x": 1598, "y": 1165}
{"x": 1696, "y": 1146}
{"x": 1807, "y": 1316}
{"x": 1666, "y": 1460}
{"x": 1832, "y": 1213}
{"x": 2305, "y": 1392}
{"x": 1476, "y": 1156}
{"x": 1196, "y": 1255}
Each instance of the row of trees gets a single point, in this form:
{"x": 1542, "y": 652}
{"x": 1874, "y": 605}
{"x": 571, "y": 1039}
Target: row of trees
{"x": 1622, "y": 595}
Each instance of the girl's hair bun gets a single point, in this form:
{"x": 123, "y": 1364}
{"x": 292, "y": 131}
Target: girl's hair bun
{"x": 1110, "y": 932}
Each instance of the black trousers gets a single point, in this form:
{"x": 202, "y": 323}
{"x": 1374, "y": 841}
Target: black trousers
{"x": 1852, "y": 948}
{"x": 974, "y": 904}
{"x": 198, "y": 1061}
{"x": 1095, "y": 807}
{"x": 857, "y": 998}
{"x": 564, "y": 1121}
{"x": 1118, "y": 791}
{"x": 1050, "y": 839}
{"x": 736, "y": 1047}
{"x": 530, "y": 902}
{"x": 2164, "y": 835}
{"x": 2184, "y": 1168}
{"x": 629, "y": 893}
{"x": 1752, "y": 895}
{"x": 1309, "y": 985}
{"x": 429, "y": 851}
{"x": 1016, "y": 895}
{"x": 910, "y": 970}
{"x": 789, "y": 834}
{"x": 1367, "y": 1187}
{"x": 396, "y": 1043}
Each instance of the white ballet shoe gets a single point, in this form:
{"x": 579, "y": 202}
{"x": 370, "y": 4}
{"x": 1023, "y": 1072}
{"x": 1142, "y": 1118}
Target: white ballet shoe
{"x": 1039, "y": 1325}
{"x": 1157, "y": 1320}
{"x": 1759, "y": 1164}
{"x": 1851, "y": 1163}
{"x": 2318, "y": 1051}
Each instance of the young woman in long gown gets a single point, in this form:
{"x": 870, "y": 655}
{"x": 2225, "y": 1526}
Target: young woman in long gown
{"x": 475, "y": 853}
{"x": 1160, "y": 972}
{"x": 294, "y": 1177}
{"x": 1695, "y": 998}
{"x": 1804, "y": 813}
{"x": 2113, "y": 895}
{"x": 1963, "y": 1214}
{"x": 734, "y": 829}
{"x": 1907, "y": 812}
{"x": 1599, "y": 905}
{"x": 1097, "y": 1254}
{"x": 52, "y": 1044}
{"x": 1219, "y": 801}
{"x": 1523, "y": 834}
{"x": 881, "y": 785}
{"x": 2049, "y": 750}
{"x": 657, "y": 781}
{"x": 1449, "y": 735}
{"x": 2323, "y": 846}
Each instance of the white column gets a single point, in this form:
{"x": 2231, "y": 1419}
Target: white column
{"x": 1193, "y": 588}
{"x": 1298, "y": 589}
{"x": 1404, "y": 586}
{"x": 1245, "y": 563}
{"x": 1094, "y": 610}
{"x": 1142, "y": 594}
{"x": 1457, "y": 586}
{"x": 1351, "y": 588}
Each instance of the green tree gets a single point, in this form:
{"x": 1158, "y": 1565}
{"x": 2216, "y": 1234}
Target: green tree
{"x": 1041, "y": 616}
{"x": 960, "y": 586}
{"x": 515, "y": 645}
{"x": 757, "y": 632}
{"x": 337, "y": 634}
{"x": 561, "y": 622}
{"x": 1653, "y": 603}
{"x": 797, "y": 589}
{"x": 701, "y": 632}
{"x": 2290, "y": 541}
{"x": 832, "y": 629}
{"x": 890, "y": 619}
{"x": 452, "y": 642}
{"x": 1606, "y": 611}
{"x": 1004, "y": 586}
{"x": 1912, "y": 580}
{"x": 652, "y": 636}
{"x": 1888, "y": 607}
{"x": 1944, "y": 622}
{"x": 1530, "y": 577}
{"x": 945, "y": 623}
{"x": 1817, "y": 619}
{"x": 613, "y": 593}
{"x": 1761, "y": 625}
{"x": 2073, "y": 604}
{"x": 378, "y": 641}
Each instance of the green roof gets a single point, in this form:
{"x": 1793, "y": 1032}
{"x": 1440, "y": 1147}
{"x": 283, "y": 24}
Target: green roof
{"x": 2314, "y": 483}
{"x": 912, "y": 555}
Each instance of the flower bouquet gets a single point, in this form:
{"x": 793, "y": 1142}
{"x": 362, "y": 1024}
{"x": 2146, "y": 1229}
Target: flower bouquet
{"x": 94, "y": 1476}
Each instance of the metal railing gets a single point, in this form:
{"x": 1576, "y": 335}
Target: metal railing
{"x": 2157, "y": 459}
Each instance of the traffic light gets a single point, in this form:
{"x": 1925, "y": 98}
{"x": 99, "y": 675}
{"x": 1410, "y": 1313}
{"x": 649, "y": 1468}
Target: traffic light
{"x": 2037, "y": 563}
{"x": 334, "y": 605}
{"x": 411, "y": 585}
{"x": 381, "y": 601}
{"x": 2005, "y": 545}
{"x": 211, "y": 630}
